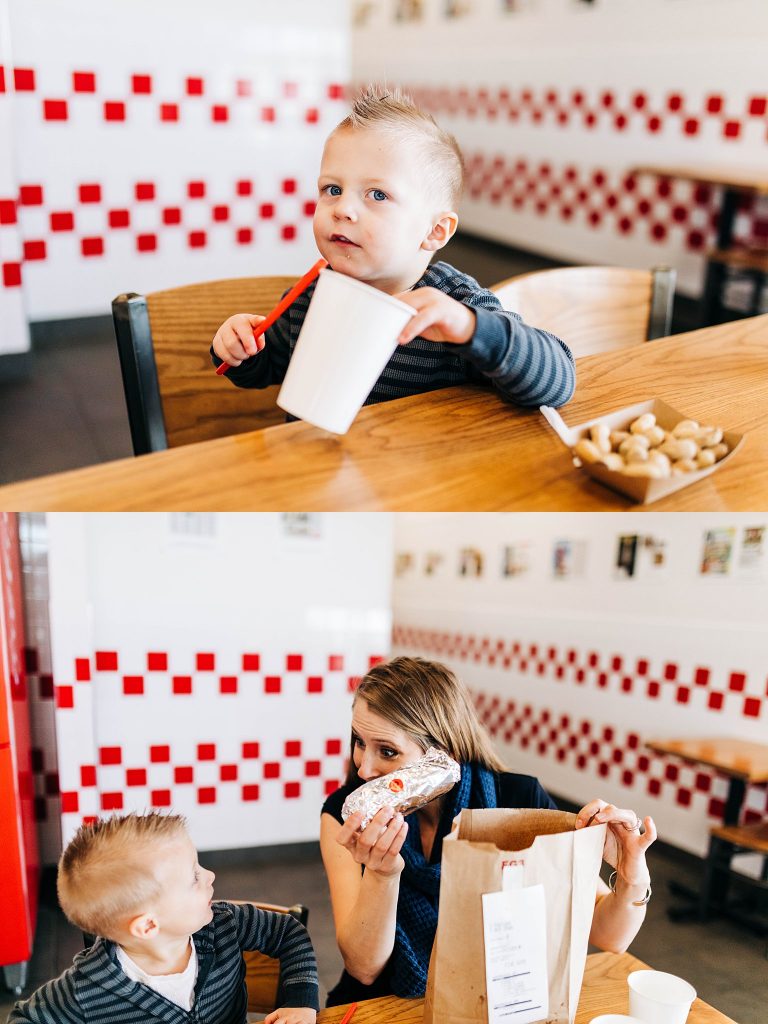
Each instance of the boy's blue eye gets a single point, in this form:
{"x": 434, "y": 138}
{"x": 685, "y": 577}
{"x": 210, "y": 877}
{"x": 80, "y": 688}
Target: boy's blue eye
{"x": 378, "y": 195}
{"x": 333, "y": 190}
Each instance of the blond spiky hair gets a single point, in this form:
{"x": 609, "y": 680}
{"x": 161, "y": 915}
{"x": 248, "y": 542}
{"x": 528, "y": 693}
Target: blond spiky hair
{"x": 391, "y": 110}
{"x": 104, "y": 875}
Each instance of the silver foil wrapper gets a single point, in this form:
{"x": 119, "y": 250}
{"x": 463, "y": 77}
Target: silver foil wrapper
{"x": 406, "y": 789}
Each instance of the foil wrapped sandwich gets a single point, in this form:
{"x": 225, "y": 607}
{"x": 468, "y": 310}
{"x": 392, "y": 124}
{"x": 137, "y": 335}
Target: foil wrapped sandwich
{"x": 406, "y": 789}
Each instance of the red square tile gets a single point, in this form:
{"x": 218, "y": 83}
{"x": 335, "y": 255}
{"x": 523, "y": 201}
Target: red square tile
{"x": 157, "y": 661}
{"x": 335, "y": 662}
{"x": 312, "y": 115}
{"x": 251, "y": 662}
{"x": 206, "y": 751}
{"x": 146, "y": 243}
{"x": 703, "y": 782}
{"x": 220, "y": 213}
{"x": 314, "y": 684}
{"x": 683, "y": 694}
{"x": 716, "y": 807}
{"x": 136, "y": 776}
{"x": 169, "y": 112}
{"x": 141, "y": 84}
{"x": 626, "y": 684}
{"x": 683, "y": 797}
{"x": 266, "y": 211}
{"x": 87, "y": 775}
{"x": 111, "y": 801}
{"x": 82, "y": 670}
{"x": 31, "y": 195}
{"x": 309, "y": 208}
{"x": 250, "y": 792}
{"x": 206, "y": 795}
{"x": 335, "y": 91}
{"x": 671, "y": 772}
{"x": 205, "y": 662}
{"x": 182, "y": 684}
{"x": 144, "y": 191}
{"x": 197, "y": 239}
{"x": 250, "y": 751}
{"x": 110, "y": 755}
{"x": 292, "y": 790}
{"x": 670, "y": 671}
{"x": 654, "y": 787}
{"x": 172, "y": 215}
{"x": 268, "y": 114}
{"x": 160, "y": 754}
{"x": 228, "y": 684}
{"x": 294, "y": 663}
{"x": 732, "y": 129}
{"x": 758, "y": 106}
{"x": 195, "y": 86}
{"x": 7, "y": 211}
{"x": 24, "y": 79}
{"x": 228, "y": 772}
{"x": 333, "y": 747}
{"x": 83, "y": 81}
{"x": 92, "y": 246}
{"x": 106, "y": 661}
{"x": 133, "y": 685}
{"x": 293, "y": 748}
{"x": 701, "y": 676}
{"x": 183, "y": 774}
{"x": 312, "y": 768}
{"x": 272, "y": 684}
{"x": 752, "y": 707}
{"x": 244, "y": 187}
{"x": 715, "y": 700}
{"x": 89, "y": 193}
{"x": 62, "y": 221}
{"x": 70, "y": 803}
{"x": 653, "y": 689}
{"x": 272, "y": 770}
{"x": 196, "y": 189}
{"x": 331, "y": 785}
{"x": 244, "y": 236}
{"x": 55, "y": 110}
{"x": 352, "y": 683}
{"x": 160, "y": 798}
{"x": 219, "y": 113}
{"x": 11, "y": 275}
{"x": 114, "y": 111}
{"x": 737, "y": 681}
{"x": 643, "y": 763}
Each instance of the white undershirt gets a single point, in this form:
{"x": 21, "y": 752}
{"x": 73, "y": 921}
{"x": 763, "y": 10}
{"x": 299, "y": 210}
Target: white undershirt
{"x": 179, "y": 988}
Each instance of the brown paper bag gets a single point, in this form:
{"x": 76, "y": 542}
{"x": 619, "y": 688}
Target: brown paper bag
{"x": 566, "y": 862}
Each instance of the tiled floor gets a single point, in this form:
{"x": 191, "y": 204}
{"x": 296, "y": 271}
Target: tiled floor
{"x": 726, "y": 964}
{"x": 70, "y": 412}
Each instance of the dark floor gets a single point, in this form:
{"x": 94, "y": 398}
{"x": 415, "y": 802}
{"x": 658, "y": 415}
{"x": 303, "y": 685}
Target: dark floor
{"x": 69, "y": 412}
{"x": 726, "y": 964}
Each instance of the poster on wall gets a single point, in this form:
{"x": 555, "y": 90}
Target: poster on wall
{"x": 434, "y": 563}
{"x": 717, "y": 552}
{"x": 569, "y": 559}
{"x": 516, "y": 559}
{"x": 640, "y": 557}
{"x": 471, "y": 563}
{"x": 752, "y": 554}
{"x": 404, "y": 563}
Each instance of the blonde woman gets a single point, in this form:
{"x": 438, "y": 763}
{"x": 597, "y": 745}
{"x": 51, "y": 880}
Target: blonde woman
{"x": 385, "y": 880}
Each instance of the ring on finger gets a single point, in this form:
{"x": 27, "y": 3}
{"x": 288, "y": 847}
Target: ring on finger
{"x": 636, "y": 825}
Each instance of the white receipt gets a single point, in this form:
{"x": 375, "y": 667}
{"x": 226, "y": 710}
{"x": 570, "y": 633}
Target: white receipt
{"x": 514, "y": 925}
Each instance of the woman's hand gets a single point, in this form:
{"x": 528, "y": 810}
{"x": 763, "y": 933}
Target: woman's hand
{"x": 625, "y": 846}
{"x": 378, "y": 845}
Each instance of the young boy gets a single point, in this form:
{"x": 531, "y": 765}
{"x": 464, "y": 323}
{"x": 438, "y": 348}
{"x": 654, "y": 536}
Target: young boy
{"x": 390, "y": 182}
{"x": 166, "y": 951}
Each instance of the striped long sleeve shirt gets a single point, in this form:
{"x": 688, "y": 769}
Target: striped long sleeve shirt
{"x": 97, "y": 991}
{"x": 527, "y": 366}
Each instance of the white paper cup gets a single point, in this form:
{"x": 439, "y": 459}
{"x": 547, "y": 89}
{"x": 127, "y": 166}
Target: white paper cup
{"x": 615, "y": 1018}
{"x": 347, "y": 338}
{"x": 659, "y": 998}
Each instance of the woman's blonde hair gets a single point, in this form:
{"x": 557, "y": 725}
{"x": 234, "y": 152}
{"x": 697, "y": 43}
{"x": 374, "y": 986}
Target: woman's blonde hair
{"x": 431, "y": 706}
{"x": 104, "y": 874}
{"x": 393, "y": 111}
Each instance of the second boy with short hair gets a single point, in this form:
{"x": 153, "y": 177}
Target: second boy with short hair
{"x": 389, "y": 186}
{"x": 166, "y": 951}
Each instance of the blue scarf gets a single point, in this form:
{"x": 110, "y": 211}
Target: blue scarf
{"x": 420, "y": 884}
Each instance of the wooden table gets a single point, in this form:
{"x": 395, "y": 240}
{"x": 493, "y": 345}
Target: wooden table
{"x": 735, "y": 182}
{"x": 741, "y": 761}
{"x": 604, "y": 991}
{"x": 459, "y": 449}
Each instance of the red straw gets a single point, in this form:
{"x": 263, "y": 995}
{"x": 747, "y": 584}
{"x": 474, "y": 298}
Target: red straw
{"x": 349, "y": 1014}
{"x": 282, "y": 305}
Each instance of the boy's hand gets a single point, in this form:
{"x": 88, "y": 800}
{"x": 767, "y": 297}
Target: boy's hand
{"x": 438, "y": 318}
{"x": 292, "y": 1015}
{"x": 234, "y": 340}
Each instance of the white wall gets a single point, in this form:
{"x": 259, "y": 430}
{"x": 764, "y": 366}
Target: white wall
{"x": 543, "y": 178}
{"x": 274, "y": 72}
{"x": 123, "y": 587}
{"x": 534, "y": 648}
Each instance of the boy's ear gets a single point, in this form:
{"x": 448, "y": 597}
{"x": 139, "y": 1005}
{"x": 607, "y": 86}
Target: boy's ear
{"x": 143, "y": 926}
{"x": 443, "y": 229}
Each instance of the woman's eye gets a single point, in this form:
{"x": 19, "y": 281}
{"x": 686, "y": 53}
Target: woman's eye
{"x": 378, "y": 195}
{"x": 357, "y": 741}
{"x": 332, "y": 190}
{"x": 388, "y": 752}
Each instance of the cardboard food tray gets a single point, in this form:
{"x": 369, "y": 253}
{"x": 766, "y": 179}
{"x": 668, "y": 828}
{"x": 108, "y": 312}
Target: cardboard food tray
{"x": 643, "y": 490}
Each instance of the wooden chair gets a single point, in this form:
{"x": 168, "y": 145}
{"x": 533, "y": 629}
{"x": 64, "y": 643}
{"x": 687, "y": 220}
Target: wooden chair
{"x": 171, "y": 389}
{"x": 593, "y": 309}
{"x": 262, "y": 973}
{"x": 725, "y": 843}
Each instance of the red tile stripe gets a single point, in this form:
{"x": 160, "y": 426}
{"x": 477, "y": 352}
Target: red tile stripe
{"x": 654, "y": 208}
{"x": 643, "y": 677}
{"x": 609, "y": 752}
{"x": 590, "y": 109}
{"x": 81, "y": 90}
